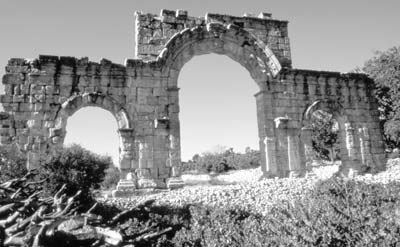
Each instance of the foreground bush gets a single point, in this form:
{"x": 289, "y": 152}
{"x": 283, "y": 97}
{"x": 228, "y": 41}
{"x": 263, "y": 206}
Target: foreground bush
{"x": 12, "y": 163}
{"x": 336, "y": 213}
{"x": 76, "y": 167}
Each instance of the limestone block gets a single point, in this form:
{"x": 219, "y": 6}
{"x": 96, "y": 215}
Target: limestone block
{"x": 57, "y": 140}
{"x": 65, "y": 80}
{"x": 118, "y": 81}
{"x": 146, "y": 183}
{"x": 175, "y": 183}
{"x": 145, "y": 108}
{"x": 125, "y": 163}
{"x": 22, "y": 140}
{"x": 173, "y": 108}
{"x": 4, "y": 140}
{"x": 56, "y": 132}
{"x": 20, "y": 124}
{"x": 41, "y": 80}
{"x": 125, "y": 185}
{"x": 9, "y": 89}
{"x": 6, "y": 98}
{"x": 84, "y": 81}
{"x": 152, "y": 100}
{"x": 159, "y": 91}
{"x": 65, "y": 91}
{"x": 7, "y": 132}
{"x": 22, "y": 115}
{"x": 37, "y": 89}
{"x": 13, "y": 78}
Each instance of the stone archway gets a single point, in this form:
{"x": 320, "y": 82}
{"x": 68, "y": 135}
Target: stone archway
{"x": 349, "y": 144}
{"x": 41, "y": 94}
{"x": 230, "y": 40}
{"x": 125, "y": 130}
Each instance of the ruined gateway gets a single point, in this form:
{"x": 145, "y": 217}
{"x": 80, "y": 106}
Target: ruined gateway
{"x": 143, "y": 95}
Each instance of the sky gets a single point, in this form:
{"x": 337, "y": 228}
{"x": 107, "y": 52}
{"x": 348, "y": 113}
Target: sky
{"x": 216, "y": 96}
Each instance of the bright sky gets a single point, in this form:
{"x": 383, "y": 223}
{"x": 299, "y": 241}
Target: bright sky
{"x": 216, "y": 97}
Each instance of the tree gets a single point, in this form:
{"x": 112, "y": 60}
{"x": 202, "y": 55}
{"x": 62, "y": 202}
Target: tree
{"x": 384, "y": 68}
{"x": 324, "y": 136}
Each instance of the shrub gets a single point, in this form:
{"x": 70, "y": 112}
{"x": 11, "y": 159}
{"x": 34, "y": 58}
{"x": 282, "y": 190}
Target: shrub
{"x": 111, "y": 178}
{"x": 219, "y": 162}
{"x": 76, "y": 167}
{"x": 337, "y": 212}
{"x": 12, "y": 163}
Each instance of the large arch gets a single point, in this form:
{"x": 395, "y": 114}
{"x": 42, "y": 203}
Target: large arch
{"x": 230, "y": 40}
{"x": 125, "y": 130}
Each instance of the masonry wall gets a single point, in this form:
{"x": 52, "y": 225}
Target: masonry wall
{"x": 348, "y": 97}
{"x": 40, "y": 95}
{"x": 154, "y": 31}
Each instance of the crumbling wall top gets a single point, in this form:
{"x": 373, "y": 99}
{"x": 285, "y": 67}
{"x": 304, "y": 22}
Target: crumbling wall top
{"x": 154, "y": 31}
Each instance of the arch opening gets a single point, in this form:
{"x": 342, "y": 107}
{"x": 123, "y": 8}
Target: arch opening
{"x": 125, "y": 156}
{"x": 94, "y": 129}
{"x": 328, "y": 137}
{"x": 216, "y": 114}
{"x": 232, "y": 41}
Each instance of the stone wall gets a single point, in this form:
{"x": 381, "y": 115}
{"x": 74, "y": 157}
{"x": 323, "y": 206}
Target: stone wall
{"x": 153, "y": 32}
{"x": 143, "y": 95}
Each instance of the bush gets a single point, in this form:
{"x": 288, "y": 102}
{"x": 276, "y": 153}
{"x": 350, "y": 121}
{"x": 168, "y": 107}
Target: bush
{"x": 219, "y": 162}
{"x": 12, "y": 163}
{"x": 111, "y": 179}
{"x": 337, "y": 212}
{"x": 76, "y": 167}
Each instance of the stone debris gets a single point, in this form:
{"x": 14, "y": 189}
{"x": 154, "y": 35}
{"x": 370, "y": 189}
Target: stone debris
{"x": 250, "y": 194}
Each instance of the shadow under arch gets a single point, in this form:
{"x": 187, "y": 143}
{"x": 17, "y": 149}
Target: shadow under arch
{"x": 231, "y": 40}
{"x": 77, "y": 102}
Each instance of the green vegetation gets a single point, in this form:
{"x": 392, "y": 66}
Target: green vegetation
{"x": 337, "y": 212}
{"x": 222, "y": 161}
{"x": 74, "y": 166}
{"x": 325, "y": 137}
{"x": 384, "y": 68}
{"x": 12, "y": 163}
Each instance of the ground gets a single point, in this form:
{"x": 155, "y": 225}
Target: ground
{"x": 245, "y": 190}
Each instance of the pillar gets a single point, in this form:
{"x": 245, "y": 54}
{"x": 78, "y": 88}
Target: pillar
{"x": 350, "y": 162}
{"x": 270, "y": 169}
{"x": 127, "y": 161}
{"x": 289, "y": 148}
{"x": 306, "y": 139}
{"x": 142, "y": 172}
{"x": 266, "y": 132}
{"x": 175, "y": 181}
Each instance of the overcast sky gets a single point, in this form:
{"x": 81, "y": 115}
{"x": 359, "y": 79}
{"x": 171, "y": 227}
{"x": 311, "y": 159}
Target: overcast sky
{"x": 216, "y": 97}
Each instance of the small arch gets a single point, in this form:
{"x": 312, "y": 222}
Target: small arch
{"x": 231, "y": 40}
{"x": 76, "y": 102}
{"x": 330, "y": 106}
{"x": 349, "y": 148}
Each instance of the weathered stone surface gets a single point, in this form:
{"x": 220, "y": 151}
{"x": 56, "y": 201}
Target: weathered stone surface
{"x": 143, "y": 95}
